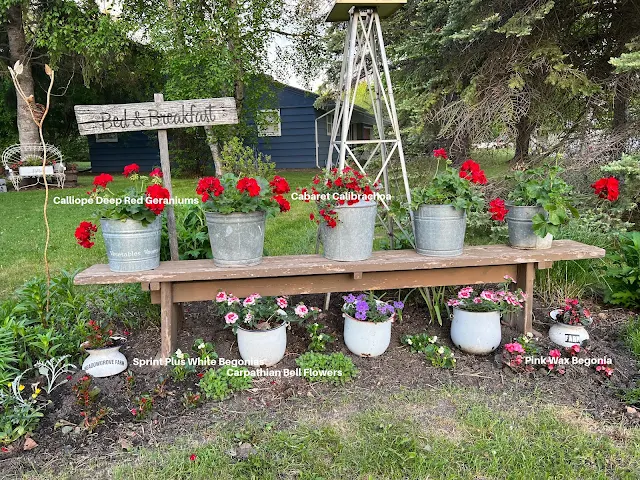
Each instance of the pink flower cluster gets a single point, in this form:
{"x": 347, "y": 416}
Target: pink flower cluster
{"x": 603, "y": 368}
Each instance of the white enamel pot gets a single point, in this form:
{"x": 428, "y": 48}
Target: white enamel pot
{"x": 105, "y": 362}
{"x": 566, "y": 335}
{"x": 262, "y": 347}
{"x": 476, "y": 332}
{"x": 366, "y": 339}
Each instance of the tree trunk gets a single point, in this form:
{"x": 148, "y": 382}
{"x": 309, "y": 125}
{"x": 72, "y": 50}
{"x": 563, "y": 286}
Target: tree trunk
{"x": 212, "y": 141}
{"x": 27, "y": 129}
{"x": 620, "y": 105}
{"x": 525, "y": 129}
{"x": 459, "y": 150}
{"x": 233, "y": 37}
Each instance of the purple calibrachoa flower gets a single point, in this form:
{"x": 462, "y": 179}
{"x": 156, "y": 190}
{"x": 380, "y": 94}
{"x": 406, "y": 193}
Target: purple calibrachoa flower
{"x": 367, "y": 308}
{"x": 349, "y": 298}
{"x": 361, "y": 306}
{"x": 398, "y": 305}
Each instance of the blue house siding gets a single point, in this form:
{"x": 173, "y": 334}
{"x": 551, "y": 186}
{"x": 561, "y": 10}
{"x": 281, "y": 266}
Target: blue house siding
{"x": 132, "y": 147}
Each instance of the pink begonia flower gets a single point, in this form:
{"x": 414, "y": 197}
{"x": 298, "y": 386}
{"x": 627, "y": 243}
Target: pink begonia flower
{"x": 231, "y": 318}
{"x": 555, "y": 353}
{"x": 463, "y": 294}
{"x": 487, "y": 295}
{"x": 301, "y": 311}
{"x": 282, "y": 302}
{"x": 249, "y": 301}
{"x": 231, "y": 300}
{"x": 221, "y": 297}
{"x": 477, "y": 300}
{"x": 454, "y": 302}
{"x": 514, "y": 348}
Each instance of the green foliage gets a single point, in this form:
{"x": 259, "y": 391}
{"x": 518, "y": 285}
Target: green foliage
{"x": 447, "y": 188}
{"x": 206, "y": 351}
{"x": 193, "y": 235}
{"x": 622, "y": 277}
{"x": 16, "y": 419}
{"x": 438, "y": 355}
{"x": 127, "y": 303}
{"x": 335, "y": 368}
{"x": 544, "y": 188}
{"x": 631, "y": 335}
{"x": 181, "y": 365}
{"x": 627, "y": 169}
{"x": 244, "y": 161}
{"x": 233, "y": 200}
{"x": 221, "y": 383}
{"x": 319, "y": 339}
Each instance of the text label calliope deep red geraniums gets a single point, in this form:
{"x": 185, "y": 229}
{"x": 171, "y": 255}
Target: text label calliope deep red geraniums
{"x": 236, "y": 209}
{"x": 475, "y": 327}
{"x": 440, "y": 208}
{"x": 130, "y": 219}
{"x": 261, "y": 324}
{"x": 347, "y": 207}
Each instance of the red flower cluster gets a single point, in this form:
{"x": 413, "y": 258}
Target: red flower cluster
{"x": 440, "y": 152}
{"x": 279, "y": 185}
{"x": 497, "y": 210}
{"x": 129, "y": 169}
{"x": 84, "y": 234}
{"x": 285, "y": 206}
{"x": 471, "y": 170}
{"x": 102, "y": 180}
{"x": 155, "y": 197}
{"x": 329, "y": 217}
{"x": 608, "y": 187}
{"x": 207, "y": 186}
{"x": 249, "y": 185}
{"x": 156, "y": 172}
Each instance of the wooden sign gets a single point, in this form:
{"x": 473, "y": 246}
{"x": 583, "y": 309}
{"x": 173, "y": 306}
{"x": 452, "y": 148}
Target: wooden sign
{"x": 130, "y": 117}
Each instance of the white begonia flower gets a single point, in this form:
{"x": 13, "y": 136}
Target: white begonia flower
{"x": 441, "y": 350}
{"x": 201, "y": 346}
{"x": 433, "y": 339}
{"x": 179, "y": 354}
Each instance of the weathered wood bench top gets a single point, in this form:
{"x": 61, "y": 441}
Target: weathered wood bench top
{"x": 381, "y": 261}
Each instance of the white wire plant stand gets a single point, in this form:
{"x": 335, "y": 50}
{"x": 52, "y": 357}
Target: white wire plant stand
{"x": 15, "y": 173}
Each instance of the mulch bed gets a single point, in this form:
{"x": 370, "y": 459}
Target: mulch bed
{"x": 398, "y": 368}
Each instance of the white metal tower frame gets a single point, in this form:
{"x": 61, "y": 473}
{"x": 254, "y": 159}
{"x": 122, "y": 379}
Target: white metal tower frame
{"x": 365, "y": 57}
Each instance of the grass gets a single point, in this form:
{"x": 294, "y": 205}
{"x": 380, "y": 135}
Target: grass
{"x": 418, "y": 434}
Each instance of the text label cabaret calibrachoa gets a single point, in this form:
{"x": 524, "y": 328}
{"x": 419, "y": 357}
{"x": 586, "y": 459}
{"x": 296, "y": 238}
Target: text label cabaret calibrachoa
{"x": 345, "y": 196}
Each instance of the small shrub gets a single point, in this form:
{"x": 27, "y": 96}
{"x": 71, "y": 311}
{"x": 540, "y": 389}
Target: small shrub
{"x": 319, "y": 340}
{"x": 144, "y": 406}
{"x": 206, "y": 350}
{"x": 193, "y": 235}
{"x": 221, "y": 383}
{"x": 182, "y": 366}
{"x": 438, "y": 355}
{"x": 86, "y": 394}
{"x": 622, "y": 277}
{"x": 191, "y": 400}
{"x": 242, "y": 160}
{"x": 335, "y": 368}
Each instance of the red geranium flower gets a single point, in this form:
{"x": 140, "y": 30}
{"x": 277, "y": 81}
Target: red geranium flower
{"x": 102, "y": 180}
{"x": 208, "y": 186}
{"x": 129, "y": 169}
{"x": 471, "y": 171}
{"x": 156, "y": 172}
{"x": 84, "y": 234}
{"x": 279, "y": 185}
{"x": 440, "y": 152}
{"x": 285, "y": 206}
{"x": 249, "y": 185}
{"x": 497, "y": 209}
{"x": 608, "y": 187}
{"x": 155, "y": 198}
{"x": 193, "y": 457}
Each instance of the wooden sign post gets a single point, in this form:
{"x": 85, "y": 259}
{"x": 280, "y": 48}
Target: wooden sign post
{"x": 161, "y": 116}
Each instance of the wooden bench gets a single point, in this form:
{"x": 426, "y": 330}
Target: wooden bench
{"x": 175, "y": 282}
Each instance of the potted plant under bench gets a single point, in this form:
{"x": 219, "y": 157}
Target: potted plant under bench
{"x": 537, "y": 207}
{"x": 570, "y": 322}
{"x": 260, "y": 324}
{"x": 131, "y": 220}
{"x": 367, "y": 323}
{"x": 475, "y": 326}
{"x": 347, "y": 209}
{"x": 440, "y": 209}
{"x": 236, "y": 209}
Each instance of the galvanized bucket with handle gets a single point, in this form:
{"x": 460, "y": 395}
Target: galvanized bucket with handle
{"x": 521, "y": 234}
{"x": 132, "y": 247}
{"x": 440, "y": 230}
{"x": 351, "y": 240}
{"x": 237, "y": 239}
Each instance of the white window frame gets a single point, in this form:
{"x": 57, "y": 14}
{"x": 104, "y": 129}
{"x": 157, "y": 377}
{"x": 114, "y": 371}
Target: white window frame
{"x": 270, "y": 129}
{"x": 329, "y": 123}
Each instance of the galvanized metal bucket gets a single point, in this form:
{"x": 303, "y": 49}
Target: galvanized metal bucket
{"x": 132, "y": 247}
{"x": 237, "y": 239}
{"x": 351, "y": 240}
{"x": 440, "y": 230}
{"x": 521, "y": 234}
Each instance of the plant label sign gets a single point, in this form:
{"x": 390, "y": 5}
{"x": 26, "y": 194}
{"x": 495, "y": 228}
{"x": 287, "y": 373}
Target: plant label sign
{"x": 96, "y": 119}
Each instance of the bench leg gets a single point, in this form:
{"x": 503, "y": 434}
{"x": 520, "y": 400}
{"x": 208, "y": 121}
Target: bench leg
{"x": 168, "y": 320}
{"x": 525, "y": 280}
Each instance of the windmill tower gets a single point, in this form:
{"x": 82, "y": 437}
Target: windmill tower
{"x": 365, "y": 59}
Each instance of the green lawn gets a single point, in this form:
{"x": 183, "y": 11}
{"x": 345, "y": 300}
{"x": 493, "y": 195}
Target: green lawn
{"x": 414, "y": 434}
